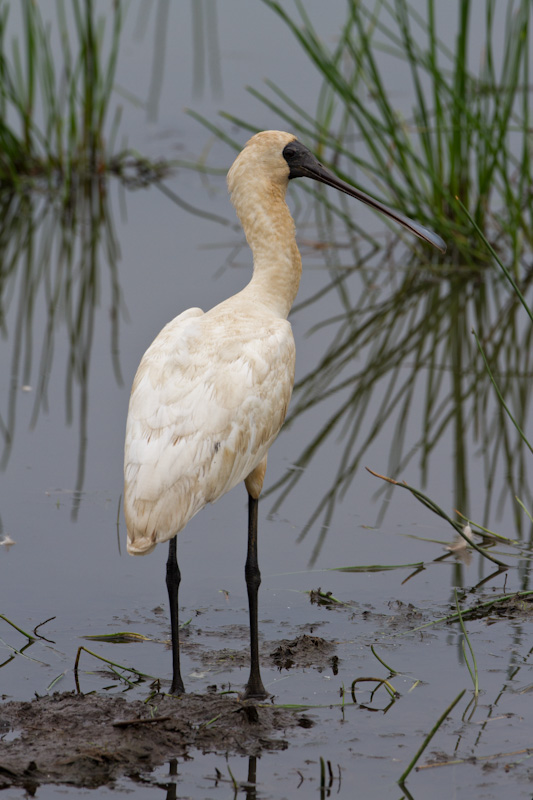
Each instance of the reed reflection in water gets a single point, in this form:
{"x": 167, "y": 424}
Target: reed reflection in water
{"x": 58, "y": 259}
{"x": 401, "y": 357}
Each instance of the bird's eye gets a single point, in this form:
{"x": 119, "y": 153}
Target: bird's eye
{"x": 290, "y": 151}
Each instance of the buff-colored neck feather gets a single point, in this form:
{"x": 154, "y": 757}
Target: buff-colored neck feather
{"x": 258, "y": 182}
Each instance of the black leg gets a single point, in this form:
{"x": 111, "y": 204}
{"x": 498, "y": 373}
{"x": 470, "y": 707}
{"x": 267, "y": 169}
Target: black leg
{"x": 254, "y": 687}
{"x": 252, "y": 776}
{"x": 173, "y": 582}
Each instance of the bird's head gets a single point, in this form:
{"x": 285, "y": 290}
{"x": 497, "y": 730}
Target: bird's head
{"x": 272, "y": 158}
{"x": 262, "y": 159}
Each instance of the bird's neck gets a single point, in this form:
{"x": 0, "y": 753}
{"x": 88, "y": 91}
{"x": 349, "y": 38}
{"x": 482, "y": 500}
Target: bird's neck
{"x": 269, "y": 230}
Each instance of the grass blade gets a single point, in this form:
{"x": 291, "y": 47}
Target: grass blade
{"x": 500, "y": 396}
{"x": 473, "y": 671}
{"x": 429, "y": 737}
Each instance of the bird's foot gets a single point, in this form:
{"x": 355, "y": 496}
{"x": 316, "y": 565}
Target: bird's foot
{"x": 254, "y": 691}
{"x": 177, "y": 688}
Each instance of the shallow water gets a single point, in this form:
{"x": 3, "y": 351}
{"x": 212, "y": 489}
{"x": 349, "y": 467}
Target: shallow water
{"x": 63, "y": 481}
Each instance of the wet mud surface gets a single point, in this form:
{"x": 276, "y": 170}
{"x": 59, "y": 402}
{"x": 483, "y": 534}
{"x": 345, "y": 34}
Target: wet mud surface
{"x": 90, "y": 740}
{"x": 93, "y": 740}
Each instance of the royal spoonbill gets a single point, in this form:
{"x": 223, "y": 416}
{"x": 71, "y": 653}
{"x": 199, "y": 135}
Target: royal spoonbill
{"x": 212, "y": 390}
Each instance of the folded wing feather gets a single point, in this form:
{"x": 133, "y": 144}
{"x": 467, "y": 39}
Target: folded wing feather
{"x": 208, "y": 399}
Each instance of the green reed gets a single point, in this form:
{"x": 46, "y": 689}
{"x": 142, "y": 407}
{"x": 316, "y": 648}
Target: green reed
{"x": 392, "y": 349}
{"x": 54, "y": 109}
{"x": 404, "y": 336}
{"x": 467, "y": 133}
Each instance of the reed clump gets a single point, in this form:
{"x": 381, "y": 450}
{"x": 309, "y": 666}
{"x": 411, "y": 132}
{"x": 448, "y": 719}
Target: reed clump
{"x": 466, "y": 135}
{"x": 55, "y": 101}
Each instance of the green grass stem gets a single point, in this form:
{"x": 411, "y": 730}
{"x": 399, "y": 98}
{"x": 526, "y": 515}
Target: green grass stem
{"x": 380, "y": 682}
{"x": 378, "y": 567}
{"x": 107, "y": 661}
{"x": 498, "y": 260}
{"x": 55, "y": 681}
{"x": 390, "y": 669}
{"x": 322, "y": 774}
{"x": 20, "y": 652}
{"x": 20, "y": 630}
{"x": 429, "y": 737}
{"x": 233, "y": 780}
{"x": 487, "y": 531}
{"x": 472, "y": 670}
{"x": 498, "y": 392}
{"x": 426, "y": 501}
{"x": 522, "y": 506}
{"x": 470, "y": 611}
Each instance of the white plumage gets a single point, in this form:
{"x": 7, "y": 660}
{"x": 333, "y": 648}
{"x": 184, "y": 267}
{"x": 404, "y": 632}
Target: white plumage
{"x": 212, "y": 390}
{"x": 205, "y": 407}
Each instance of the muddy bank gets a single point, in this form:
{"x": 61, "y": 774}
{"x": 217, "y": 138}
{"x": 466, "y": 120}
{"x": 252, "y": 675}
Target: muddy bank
{"x": 90, "y": 740}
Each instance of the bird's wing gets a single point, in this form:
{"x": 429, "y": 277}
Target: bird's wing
{"x": 208, "y": 399}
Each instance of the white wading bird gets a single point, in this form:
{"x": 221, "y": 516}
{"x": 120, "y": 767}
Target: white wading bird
{"x": 212, "y": 390}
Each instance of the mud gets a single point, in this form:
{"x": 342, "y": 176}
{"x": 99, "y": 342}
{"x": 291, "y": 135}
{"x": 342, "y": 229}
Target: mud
{"x": 305, "y": 651}
{"x": 91, "y": 740}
